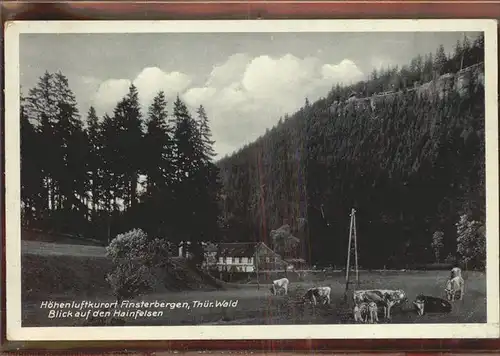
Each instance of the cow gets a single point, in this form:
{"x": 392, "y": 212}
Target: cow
{"x": 373, "y": 312}
{"x": 364, "y": 312}
{"x": 385, "y": 297}
{"x": 455, "y": 271}
{"x": 313, "y": 294}
{"x": 280, "y": 284}
{"x": 360, "y": 312}
{"x": 455, "y": 288}
{"x": 428, "y": 304}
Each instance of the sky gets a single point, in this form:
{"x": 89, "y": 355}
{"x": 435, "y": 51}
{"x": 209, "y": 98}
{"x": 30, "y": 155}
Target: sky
{"x": 245, "y": 81}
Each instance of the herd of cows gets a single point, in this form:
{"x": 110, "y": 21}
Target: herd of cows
{"x": 367, "y": 303}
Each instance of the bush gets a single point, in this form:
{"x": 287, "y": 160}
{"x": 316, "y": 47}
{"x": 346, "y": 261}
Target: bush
{"x": 437, "y": 244}
{"x": 471, "y": 243}
{"x": 135, "y": 258}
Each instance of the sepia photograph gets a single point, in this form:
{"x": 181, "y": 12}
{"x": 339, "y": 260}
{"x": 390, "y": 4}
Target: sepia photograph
{"x": 251, "y": 179}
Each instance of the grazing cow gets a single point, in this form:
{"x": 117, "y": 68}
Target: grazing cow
{"x": 360, "y": 312}
{"x": 313, "y": 294}
{"x": 365, "y": 312}
{"x": 386, "y": 297}
{"x": 373, "y": 312}
{"x": 280, "y": 284}
{"x": 455, "y": 288}
{"x": 428, "y": 304}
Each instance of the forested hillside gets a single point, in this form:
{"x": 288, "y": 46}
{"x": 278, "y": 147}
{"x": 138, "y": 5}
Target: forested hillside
{"x": 413, "y": 167}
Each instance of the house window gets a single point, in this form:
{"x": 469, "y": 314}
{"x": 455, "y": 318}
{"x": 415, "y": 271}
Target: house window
{"x": 229, "y": 260}
{"x": 244, "y": 260}
{"x": 236, "y": 260}
{"x": 267, "y": 259}
{"x": 251, "y": 260}
{"x": 221, "y": 260}
{"x": 276, "y": 260}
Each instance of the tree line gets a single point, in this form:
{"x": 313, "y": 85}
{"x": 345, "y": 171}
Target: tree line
{"x": 421, "y": 69}
{"x": 101, "y": 176}
{"x": 413, "y": 168}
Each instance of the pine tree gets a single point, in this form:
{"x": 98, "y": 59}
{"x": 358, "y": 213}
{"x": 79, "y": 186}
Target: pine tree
{"x": 208, "y": 152}
{"x": 159, "y": 145}
{"x": 185, "y": 136}
{"x": 440, "y": 61}
{"x": 31, "y": 173}
{"x": 458, "y": 57}
{"x": 159, "y": 168}
{"x": 133, "y": 136}
{"x": 128, "y": 142}
{"x": 71, "y": 140}
{"x": 51, "y": 106}
{"x": 94, "y": 159}
{"x": 427, "y": 73}
{"x": 111, "y": 175}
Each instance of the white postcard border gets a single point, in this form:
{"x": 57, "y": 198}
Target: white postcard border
{"x": 15, "y": 332}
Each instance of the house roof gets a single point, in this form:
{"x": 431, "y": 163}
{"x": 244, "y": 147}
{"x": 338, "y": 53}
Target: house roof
{"x": 210, "y": 247}
{"x": 295, "y": 260}
{"x": 237, "y": 249}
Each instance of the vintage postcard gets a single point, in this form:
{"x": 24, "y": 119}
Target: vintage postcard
{"x": 322, "y": 179}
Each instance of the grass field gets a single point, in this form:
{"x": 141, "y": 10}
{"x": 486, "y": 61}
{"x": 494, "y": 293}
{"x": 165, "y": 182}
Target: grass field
{"x": 257, "y": 306}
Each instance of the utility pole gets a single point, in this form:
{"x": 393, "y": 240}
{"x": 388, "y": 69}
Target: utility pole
{"x": 352, "y": 236}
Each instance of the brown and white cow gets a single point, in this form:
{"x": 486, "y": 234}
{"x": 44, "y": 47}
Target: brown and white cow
{"x": 388, "y": 298}
{"x": 280, "y": 284}
{"x": 318, "y": 293}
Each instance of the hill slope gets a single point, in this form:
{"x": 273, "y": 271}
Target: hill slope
{"x": 410, "y": 162}
{"x": 52, "y": 271}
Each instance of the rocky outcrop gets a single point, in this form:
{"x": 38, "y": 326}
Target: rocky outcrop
{"x": 438, "y": 88}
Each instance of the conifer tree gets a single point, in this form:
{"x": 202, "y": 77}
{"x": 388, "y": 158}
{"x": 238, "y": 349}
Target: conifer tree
{"x": 159, "y": 167}
{"x": 158, "y": 142}
{"x": 440, "y": 61}
{"x": 94, "y": 159}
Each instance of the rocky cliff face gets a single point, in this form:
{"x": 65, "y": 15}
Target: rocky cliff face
{"x": 438, "y": 88}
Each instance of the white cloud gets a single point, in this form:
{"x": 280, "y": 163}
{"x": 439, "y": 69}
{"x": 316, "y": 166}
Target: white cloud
{"x": 231, "y": 70}
{"x": 256, "y": 95}
{"x": 109, "y": 93}
{"x": 344, "y": 72}
{"x": 151, "y": 80}
{"x": 243, "y": 96}
{"x": 148, "y": 82}
{"x": 196, "y": 96}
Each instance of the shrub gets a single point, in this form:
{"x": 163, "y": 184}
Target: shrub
{"x": 135, "y": 258}
{"x": 471, "y": 242}
{"x": 437, "y": 244}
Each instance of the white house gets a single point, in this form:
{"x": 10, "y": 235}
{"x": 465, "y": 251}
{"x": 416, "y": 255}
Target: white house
{"x": 247, "y": 257}
{"x": 236, "y": 257}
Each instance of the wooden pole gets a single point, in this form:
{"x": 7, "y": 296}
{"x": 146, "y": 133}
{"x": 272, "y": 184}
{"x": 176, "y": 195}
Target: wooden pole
{"x": 348, "y": 257}
{"x": 355, "y": 246}
{"x": 256, "y": 256}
